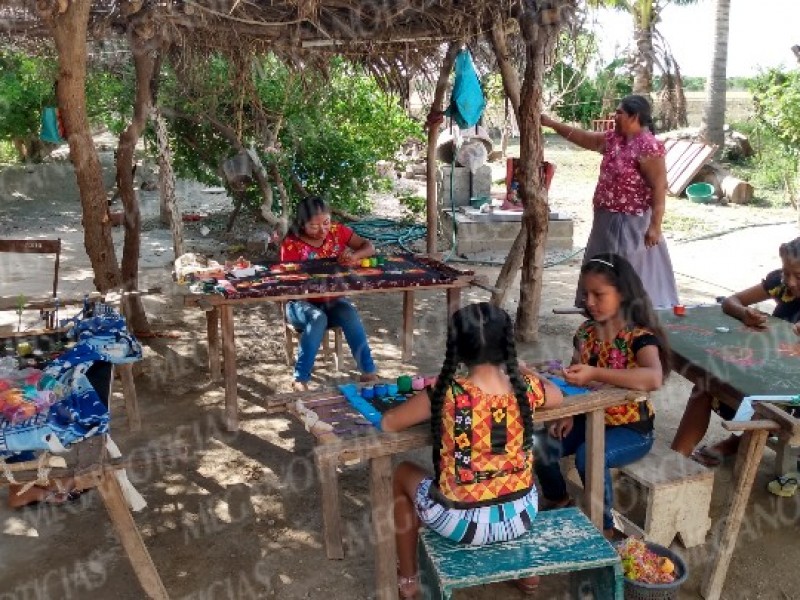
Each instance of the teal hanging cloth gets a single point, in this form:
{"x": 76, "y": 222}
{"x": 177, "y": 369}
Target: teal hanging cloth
{"x": 467, "y": 101}
{"x": 50, "y": 130}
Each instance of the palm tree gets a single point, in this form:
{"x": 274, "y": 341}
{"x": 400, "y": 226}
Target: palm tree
{"x": 714, "y": 113}
{"x": 646, "y": 14}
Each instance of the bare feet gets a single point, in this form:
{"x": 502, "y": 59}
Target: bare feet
{"x": 408, "y": 587}
{"x": 58, "y": 492}
{"x": 527, "y": 585}
{"x": 299, "y": 386}
{"x": 368, "y": 377}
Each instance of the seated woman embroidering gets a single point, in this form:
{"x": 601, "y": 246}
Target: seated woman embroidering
{"x": 314, "y": 235}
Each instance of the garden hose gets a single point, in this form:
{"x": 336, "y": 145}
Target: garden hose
{"x": 386, "y": 232}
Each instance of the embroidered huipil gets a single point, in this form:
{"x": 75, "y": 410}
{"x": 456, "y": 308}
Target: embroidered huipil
{"x": 482, "y": 458}
{"x": 621, "y": 187}
{"x": 293, "y": 248}
{"x": 787, "y": 307}
{"x": 619, "y": 353}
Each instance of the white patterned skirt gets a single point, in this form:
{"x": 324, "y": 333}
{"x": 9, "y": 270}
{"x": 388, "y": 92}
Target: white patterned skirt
{"x": 477, "y": 526}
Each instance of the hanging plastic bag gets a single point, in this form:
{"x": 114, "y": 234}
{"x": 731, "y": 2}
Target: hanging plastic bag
{"x": 467, "y": 101}
{"x": 50, "y": 126}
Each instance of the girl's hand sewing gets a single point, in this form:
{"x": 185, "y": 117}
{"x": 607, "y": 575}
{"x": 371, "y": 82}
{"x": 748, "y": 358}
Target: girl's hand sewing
{"x": 579, "y": 374}
{"x": 347, "y": 258}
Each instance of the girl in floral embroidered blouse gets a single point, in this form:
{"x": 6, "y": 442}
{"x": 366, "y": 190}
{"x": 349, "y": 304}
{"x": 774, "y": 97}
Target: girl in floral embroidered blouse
{"x": 482, "y": 490}
{"x": 629, "y": 199}
{"x": 313, "y": 235}
{"x": 621, "y": 344}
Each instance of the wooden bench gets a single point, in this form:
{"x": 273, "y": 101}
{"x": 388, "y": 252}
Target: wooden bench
{"x": 678, "y": 501}
{"x": 561, "y": 541}
{"x": 289, "y": 344}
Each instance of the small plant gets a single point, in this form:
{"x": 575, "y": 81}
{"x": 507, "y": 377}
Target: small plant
{"x": 413, "y": 203}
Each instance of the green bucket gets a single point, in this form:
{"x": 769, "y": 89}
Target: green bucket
{"x": 478, "y": 201}
{"x": 700, "y": 192}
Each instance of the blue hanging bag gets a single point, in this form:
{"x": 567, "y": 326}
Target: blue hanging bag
{"x": 467, "y": 101}
{"x": 49, "y": 131}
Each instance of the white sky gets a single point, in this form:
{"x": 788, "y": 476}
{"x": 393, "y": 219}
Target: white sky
{"x": 761, "y": 35}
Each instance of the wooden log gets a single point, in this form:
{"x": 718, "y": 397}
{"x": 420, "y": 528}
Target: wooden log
{"x": 736, "y": 190}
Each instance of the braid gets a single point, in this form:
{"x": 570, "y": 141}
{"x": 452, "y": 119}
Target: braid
{"x": 520, "y": 389}
{"x": 437, "y": 397}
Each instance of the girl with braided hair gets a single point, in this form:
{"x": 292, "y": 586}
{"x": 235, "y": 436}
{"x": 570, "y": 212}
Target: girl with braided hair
{"x": 781, "y": 285}
{"x": 621, "y": 344}
{"x": 482, "y": 489}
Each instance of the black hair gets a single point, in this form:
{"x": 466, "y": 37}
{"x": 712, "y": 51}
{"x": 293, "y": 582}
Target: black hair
{"x": 636, "y": 307}
{"x": 639, "y": 106}
{"x": 479, "y": 334}
{"x": 790, "y": 250}
{"x": 306, "y": 209}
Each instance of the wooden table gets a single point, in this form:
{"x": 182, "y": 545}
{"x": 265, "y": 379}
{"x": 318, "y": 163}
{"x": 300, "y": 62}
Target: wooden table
{"x": 219, "y": 315}
{"x": 334, "y": 449}
{"x": 733, "y": 364}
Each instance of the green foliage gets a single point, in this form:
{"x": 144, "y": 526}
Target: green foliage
{"x": 772, "y": 169}
{"x": 333, "y": 127}
{"x": 26, "y": 86}
{"x": 414, "y": 204}
{"x": 8, "y": 154}
{"x": 776, "y": 97}
{"x": 110, "y": 97}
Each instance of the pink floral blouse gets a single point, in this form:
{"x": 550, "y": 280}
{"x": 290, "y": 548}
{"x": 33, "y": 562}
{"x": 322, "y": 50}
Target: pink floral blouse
{"x": 621, "y": 186}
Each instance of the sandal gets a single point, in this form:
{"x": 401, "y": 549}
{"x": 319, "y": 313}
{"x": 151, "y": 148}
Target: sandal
{"x": 408, "y": 587}
{"x": 707, "y": 457}
{"x": 527, "y": 585}
{"x": 784, "y": 486}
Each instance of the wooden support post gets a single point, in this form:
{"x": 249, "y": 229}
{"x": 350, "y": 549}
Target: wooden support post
{"x": 212, "y": 326}
{"x": 129, "y": 394}
{"x": 751, "y": 450}
{"x": 229, "y": 358}
{"x": 331, "y": 512}
{"x": 407, "y": 341}
{"x": 453, "y": 300}
{"x": 130, "y": 537}
{"x": 380, "y": 487}
{"x": 595, "y": 446}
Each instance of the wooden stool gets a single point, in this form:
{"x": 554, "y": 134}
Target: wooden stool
{"x": 561, "y": 541}
{"x": 290, "y": 333}
{"x": 678, "y": 498}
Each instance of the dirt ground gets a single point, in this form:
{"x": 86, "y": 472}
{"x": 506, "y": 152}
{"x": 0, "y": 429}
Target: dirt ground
{"x": 241, "y": 518}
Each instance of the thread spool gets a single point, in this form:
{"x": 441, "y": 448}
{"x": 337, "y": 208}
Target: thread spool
{"x": 380, "y": 390}
{"x": 365, "y": 262}
{"x": 391, "y": 389}
{"x": 679, "y": 310}
{"x": 404, "y": 384}
{"x": 368, "y": 392}
{"x": 418, "y": 383}
{"x": 430, "y": 381}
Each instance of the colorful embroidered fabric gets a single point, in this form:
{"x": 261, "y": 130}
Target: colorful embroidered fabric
{"x": 293, "y": 248}
{"x": 619, "y": 353}
{"x": 621, "y": 187}
{"x": 788, "y": 307}
{"x": 77, "y": 411}
{"x": 482, "y": 457}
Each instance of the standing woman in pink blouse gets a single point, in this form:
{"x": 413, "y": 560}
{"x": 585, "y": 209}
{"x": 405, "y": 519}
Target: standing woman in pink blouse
{"x": 630, "y": 197}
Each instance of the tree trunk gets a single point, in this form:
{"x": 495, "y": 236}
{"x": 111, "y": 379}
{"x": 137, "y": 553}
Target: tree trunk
{"x": 69, "y": 30}
{"x": 714, "y": 114}
{"x": 540, "y": 38}
{"x": 643, "y": 60}
{"x": 144, "y": 63}
{"x": 511, "y": 86}
{"x": 166, "y": 184}
{"x": 437, "y": 105}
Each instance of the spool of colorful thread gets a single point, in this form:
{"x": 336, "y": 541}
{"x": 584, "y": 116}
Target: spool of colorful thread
{"x": 380, "y": 390}
{"x": 418, "y": 383}
{"x": 381, "y": 260}
{"x": 430, "y": 381}
{"x": 404, "y": 384}
{"x": 367, "y": 392}
{"x": 391, "y": 389}
{"x": 365, "y": 262}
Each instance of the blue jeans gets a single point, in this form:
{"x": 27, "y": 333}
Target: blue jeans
{"x": 312, "y": 319}
{"x": 622, "y": 447}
